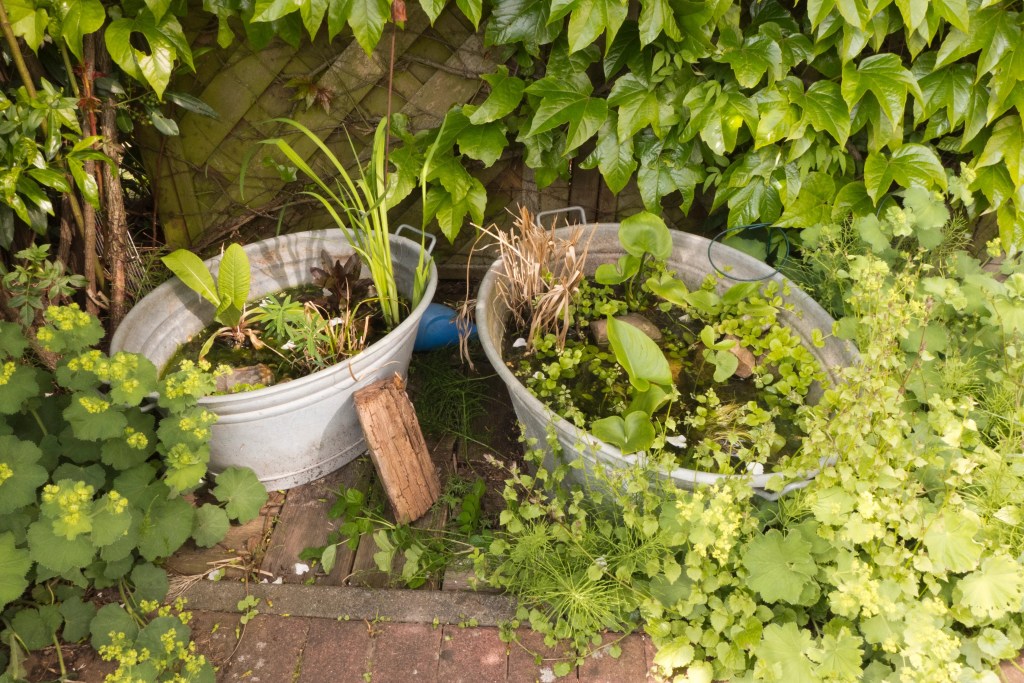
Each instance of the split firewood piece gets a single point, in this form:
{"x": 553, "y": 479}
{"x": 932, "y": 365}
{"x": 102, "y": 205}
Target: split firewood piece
{"x": 397, "y": 448}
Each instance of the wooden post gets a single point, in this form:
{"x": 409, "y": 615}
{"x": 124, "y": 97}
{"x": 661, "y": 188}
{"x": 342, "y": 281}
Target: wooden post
{"x": 397, "y": 448}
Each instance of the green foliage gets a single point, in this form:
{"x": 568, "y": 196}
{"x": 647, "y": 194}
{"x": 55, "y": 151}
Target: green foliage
{"x": 42, "y": 151}
{"x": 230, "y": 293}
{"x": 359, "y": 206}
{"x": 901, "y": 561}
{"x": 90, "y": 485}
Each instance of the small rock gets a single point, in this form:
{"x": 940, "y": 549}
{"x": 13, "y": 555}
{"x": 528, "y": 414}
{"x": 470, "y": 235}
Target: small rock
{"x": 250, "y": 374}
{"x": 599, "y": 328}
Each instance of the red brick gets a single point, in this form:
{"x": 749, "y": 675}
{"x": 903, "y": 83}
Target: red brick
{"x": 631, "y": 665}
{"x": 523, "y": 666}
{"x": 214, "y": 635}
{"x": 472, "y": 655}
{"x": 1011, "y": 673}
{"x": 269, "y": 651}
{"x": 336, "y": 651}
{"x": 405, "y": 652}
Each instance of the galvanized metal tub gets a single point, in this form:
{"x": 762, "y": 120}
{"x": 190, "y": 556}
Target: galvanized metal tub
{"x": 690, "y": 260}
{"x": 297, "y": 431}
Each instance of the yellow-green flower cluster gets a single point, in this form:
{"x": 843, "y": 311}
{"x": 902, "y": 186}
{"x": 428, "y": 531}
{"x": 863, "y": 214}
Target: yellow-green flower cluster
{"x": 188, "y": 381}
{"x": 116, "y": 502}
{"x": 5, "y": 472}
{"x": 7, "y": 372}
{"x": 67, "y": 318}
{"x": 93, "y": 405}
{"x": 91, "y": 361}
{"x": 136, "y": 439}
{"x": 198, "y": 424}
{"x": 69, "y": 504}
{"x": 181, "y": 456}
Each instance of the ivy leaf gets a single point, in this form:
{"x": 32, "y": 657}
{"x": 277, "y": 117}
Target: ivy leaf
{"x": 241, "y": 492}
{"x": 785, "y": 649}
{"x": 994, "y": 590}
{"x": 485, "y": 143}
{"x": 506, "y": 94}
{"x": 953, "y": 11}
{"x": 663, "y": 170}
{"x": 639, "y": 104}
{"x": 780, "y": 567}
{"x": 657, "y": 17}
{"x": 910, "y": 164}
{"x": 992, "y": 31}
{"x": 1005, "y": 144}
{"x": 949, "y": 88}
{"x": 884, "y": 76}
{"x": 612, "y": 156}
{"x": 950, "y": 542}
{"x": 367, "y": 19}
{"x": 813, "y": 205}
{"x": 521, "y": 21}
{"x": 567, "y": 101}
{"x": 14, "y": 565}
{"x": 20, "y": 474}
{"x": 211, "y": 524}
{"x": 757, "y": 56}
{"x": 473, "y": 10}
{"x": 592, "y": 18}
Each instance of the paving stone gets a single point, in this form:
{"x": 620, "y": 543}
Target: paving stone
{"x": 1012, "y": 674}
{"x": 472, "y": 655}
{"x": 336, "y": 651}
{"x": 649, "y": 652}
{"x": 523, "y": 666}
{"x": 405, "y": 652}
{"x": 631, "y": 665}
{"x": 214, "y": 635}
{"x": 269, "y": 651}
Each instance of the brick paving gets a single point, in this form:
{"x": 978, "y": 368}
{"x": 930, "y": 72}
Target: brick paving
{"x": 280, "y": 649}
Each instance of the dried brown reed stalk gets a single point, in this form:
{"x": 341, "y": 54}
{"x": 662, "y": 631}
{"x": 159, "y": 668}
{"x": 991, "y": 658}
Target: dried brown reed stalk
{"x": 542, "y": 275}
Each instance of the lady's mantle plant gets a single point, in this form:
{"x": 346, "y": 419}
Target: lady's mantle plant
{"x": 903, "y": 562}
{"x": 91, "y": 483}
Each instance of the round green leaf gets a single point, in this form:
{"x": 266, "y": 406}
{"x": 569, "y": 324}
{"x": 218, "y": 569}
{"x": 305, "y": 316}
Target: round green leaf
{"x": 20, "y": 475}
{"x": 241, "y": 492}
{"x": 109, "y": 620}
{"x": 211, "y": 524}
{"x": 646, "y": 233}
{"x": 14, "y": 565}
{"x": 150, "y": 582}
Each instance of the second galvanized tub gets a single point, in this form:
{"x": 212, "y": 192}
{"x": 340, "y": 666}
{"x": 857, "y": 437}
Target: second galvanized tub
{"x": 690, "y": 260}
{"x": 297, "y": 431}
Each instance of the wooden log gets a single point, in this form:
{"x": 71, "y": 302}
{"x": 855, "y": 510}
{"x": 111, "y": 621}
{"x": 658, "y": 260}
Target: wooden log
{"x": 397, "y": 448}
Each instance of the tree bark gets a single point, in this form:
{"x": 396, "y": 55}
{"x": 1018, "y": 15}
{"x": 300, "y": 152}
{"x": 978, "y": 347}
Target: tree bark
{"x": 113, "y": 202}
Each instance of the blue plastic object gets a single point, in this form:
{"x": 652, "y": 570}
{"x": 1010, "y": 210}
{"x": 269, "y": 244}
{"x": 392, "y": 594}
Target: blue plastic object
{"x": 437, "y": 329}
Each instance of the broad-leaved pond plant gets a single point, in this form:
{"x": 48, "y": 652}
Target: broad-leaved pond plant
{"x": 902, "y": 562}
{"x": 716, "y": 378}
{"x": 92, "y": 483}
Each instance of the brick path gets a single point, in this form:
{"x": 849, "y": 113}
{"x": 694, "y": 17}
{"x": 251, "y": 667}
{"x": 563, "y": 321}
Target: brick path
{"x": 277, "y": 649}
